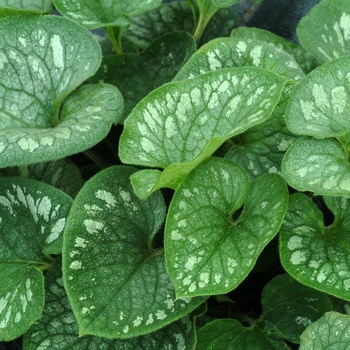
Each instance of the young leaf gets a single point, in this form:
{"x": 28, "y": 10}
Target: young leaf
{"x": 232, "y": 52}
{"x": 319, "y": 166}
{"x": 116, "y": 281}
{"x": 43, "y": 59}
{"x": 331, "y": 331}
{"x": 232, "y": 335}
{"x": 305, "y": 60}
{"x": 319, "y": 105}
{"x": 136, "y": 75}
{"x": 325, "y": 31}
{"x": 207, "y": 251}
{"x": 182, "y": 123}
{"x": 290, "y": 306}
{"x": 96, "y": 13}
{"x": 57, "y": 328}
{"x": 32, "y": 220}
{"x": 16, "y": 7}
{"x": 314, "y": 255}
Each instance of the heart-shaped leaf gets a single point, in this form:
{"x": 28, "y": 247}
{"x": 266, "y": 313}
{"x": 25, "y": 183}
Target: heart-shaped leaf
{"x": 182, "y": 123}
{"x": 232, "y": 52}
{"x": 207, "y": 250}
{"x": 305, "y": 60}
{"x": 232, "y": 335}
{"x": 102, "y": 13}
{"x": 57, "y": 328}
{"x": 316, "y": 256}
{"x": 319, "y": 106}
{"x": 116, "y": 281}
{"x": 331, "y": 331}
{"x": 325, "y": 31}
{"x": 32, "y": 220}
{"x": 43, "y": 59}
{"x": 15, "y": 7}
{"x": 290, "y": 307}
{"x": 319, "y": 166}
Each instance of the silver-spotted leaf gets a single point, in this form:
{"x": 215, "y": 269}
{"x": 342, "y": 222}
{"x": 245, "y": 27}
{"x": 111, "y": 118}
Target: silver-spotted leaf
{"x": 325, "y": 31}
{"x": 331, "y": 331}
{"x": 289, "y": 307}
{"x": 43, "y": 59}
{"x": 182, "y": 123}
{"x": 313, "y": 254}
{"x": 116, "y": 281}
{"x": 15, "y": 7}
{"x": 319, "y": 105}
{"x": 305, "y": 60}
{"x": 32, "y": 220}
{"x": 57, "y": 328}
{"x": 102, "y": 13}
{"x": 207, "y": 250}
{"x": 232, "y": 335}
{"x": 319, "y": 166}
{"x": 232, "y": 52}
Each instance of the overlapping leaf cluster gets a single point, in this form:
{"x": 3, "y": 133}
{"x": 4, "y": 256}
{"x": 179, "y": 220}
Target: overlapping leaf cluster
{"x": 126, "y": 257}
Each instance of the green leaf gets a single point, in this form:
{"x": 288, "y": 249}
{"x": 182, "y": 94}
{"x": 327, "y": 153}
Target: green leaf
{"x": 305, "y": 60}
{"x": 43, "y": 59}
{"x": 325, "y": 31}
{"x": 62, "y": 174}
{"x": 57, "y": 328}
{"x": 182, "y": 123}
{"x": 261, "y": 148}
{"x": 16, "y": 7}
{"x": 290, "y": 306}
{"x": 207, "y": 250}
{"x": 116, "y": 281}
{"x": 138, "y": 74}
{"x": 173, "y": 16}
{"x": 319, "y": 166}
{"x": 232, "y": 52}
{"x": 314, "y": 255}
{"x": 319, "y": 105}
{"x": 96, "y": 13}
{"x": 331, "y": 331}
{"x": 32, "y": 220}
{"x": 232, "y": 335}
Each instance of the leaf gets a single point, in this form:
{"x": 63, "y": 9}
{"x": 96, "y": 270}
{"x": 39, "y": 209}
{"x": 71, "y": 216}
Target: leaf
{"x": 96, "y": 13}
{"x": 261, "y": 148}
{"x": 206, "y": 250}
{"x": 314, "y": 255}
{"x": 331, "y": 331}
{"x": 325, "y": 31}
{"x": 138, "y": 74}
{"x": 116, "y": 281}
{"x": 15, "y": 7}
{"x": 318, "y": 166}
{"x": 208, "y": 7}
{"x": 232, "y": 52}
{"x": 233, "y": 335}
{"x": 32, "y": 220}
{"x": 173, "y": 16}
{"x": 43, "y": 59}
{"x": 57, "y": 328}
{"x": 305, "y": 60}
{"x": 290, "y": 306}
{"x": 182, "y": 123}
{"x": 62, "y": 174}
{"x": 318, "y": 106}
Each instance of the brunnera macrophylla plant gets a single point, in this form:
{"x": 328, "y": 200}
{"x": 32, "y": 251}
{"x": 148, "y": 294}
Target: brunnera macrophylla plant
{"x": 202, "y": 154}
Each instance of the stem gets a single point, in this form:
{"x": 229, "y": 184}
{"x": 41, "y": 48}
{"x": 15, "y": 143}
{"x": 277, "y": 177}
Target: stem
{"x": 115, "y": 40}
{"x": 96, "y": 159}
{"x": 203, "y": 20}
{"x": 194, "y": 13}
